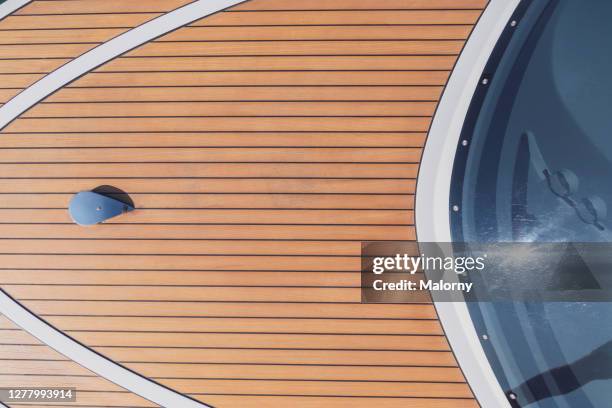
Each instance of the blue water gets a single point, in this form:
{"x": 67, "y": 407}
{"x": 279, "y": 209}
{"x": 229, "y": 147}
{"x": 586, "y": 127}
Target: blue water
{"x": 540, "y": 170}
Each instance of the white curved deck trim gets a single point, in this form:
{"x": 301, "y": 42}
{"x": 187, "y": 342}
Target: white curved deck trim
{"x": 433, "y": 192}
{"x": 32, "y": 95}
{"x": 10, "y": 6}
{"x": 106, "y": 52}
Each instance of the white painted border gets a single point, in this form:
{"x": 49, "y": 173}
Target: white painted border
{"x": 106, "y": 52}
{"x": 433, "y": 192}
{"x": 10, "y": 6}
{"x": 29, "y": 97}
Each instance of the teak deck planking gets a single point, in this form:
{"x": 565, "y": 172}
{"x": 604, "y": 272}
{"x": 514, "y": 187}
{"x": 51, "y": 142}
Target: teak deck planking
{"x": 261, "y": 145}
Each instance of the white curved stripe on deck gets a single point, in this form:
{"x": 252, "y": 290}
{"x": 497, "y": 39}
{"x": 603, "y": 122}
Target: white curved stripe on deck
{"x": 106, "y": 52}
{"x": 10, "y": 6}
{"x": 433, "y": 192}
{"x": 29, "y": 97}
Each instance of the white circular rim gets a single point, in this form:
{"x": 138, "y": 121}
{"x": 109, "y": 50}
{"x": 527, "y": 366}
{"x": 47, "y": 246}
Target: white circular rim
{"x": 433, "y": 192}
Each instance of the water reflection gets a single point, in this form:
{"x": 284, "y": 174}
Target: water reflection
{"x": 596, "y": 365}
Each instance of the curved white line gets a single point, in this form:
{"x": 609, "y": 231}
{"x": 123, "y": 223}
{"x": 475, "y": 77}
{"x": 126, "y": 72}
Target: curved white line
{"x": 107, "y": 51}
{"x": 433, "y": 192}
{"x": 10, "y": 6}
{"x": 29, "y": 97}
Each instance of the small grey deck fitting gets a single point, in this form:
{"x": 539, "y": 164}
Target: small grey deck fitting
{"x": 89, "y": 208}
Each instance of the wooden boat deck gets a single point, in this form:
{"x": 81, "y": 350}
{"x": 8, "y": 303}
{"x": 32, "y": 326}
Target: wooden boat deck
{"x": 261, "y": 145}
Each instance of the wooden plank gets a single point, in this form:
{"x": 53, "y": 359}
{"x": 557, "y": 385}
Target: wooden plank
{"x": 240, "y": 232}
{"x": 144, "y": 216}
{"x": 81, "y": 383}
{"x": 202, "y": 216}
{"x": 108, "y": 400}
{"x": 194, "y": 294}
{"x": 260, "y": 5}
{"x": 213, "y": 186}
{"x": 339, "y": 47}
{"x": 221, "y": 124}
{"x": 215, "y": 200}
{"x": 152, "y": 370}
{"x": 190, "y": 186}
{"x": 206, "y": 139}
{"x": 364, "y": 389}
{"x": 258, "y": 325}
{"x": 189, "y": 262}
{"x": 227, "y": 356}
{"x": 302, "y": 63}
{"x": 54, "y": 36}
{"x": 344, "y": 17}
{"x": 56, "y": 368}
{"x": 293, "y": 32}
{"x": 176, "y": 170}
{"x": 229, "y": 109}
{"x": 267, "y": 387}
{"x": 240, "y": 356}
{"x": 191, "y": 49}
{"x": 21, "y": 352}
{"x": 42, "y": 51}
{"x": 277, "y": 93}
{"x": 259, "y": 78}
{"x": 18, "y": 80}
{"x": 333, "y": 310}
{"x": 31, "y": 65}
{"x": 71, "y": 406}
{"x": 186, "y": 262}
{"x": 252, "y": 33}
{"x": 274, "y": 341}
{"x": 94, "y": 6}
{"x": 336, "y": 402}
{"x": 208, "y": 155}
{"x": 18, "y": 337}
{"x": 172, "y": 247}
{"x": 166, "y": 278}
{"x": 6, "y": 94}
{"x": 59, "y": 21}
{"x": 310, "y": 402}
